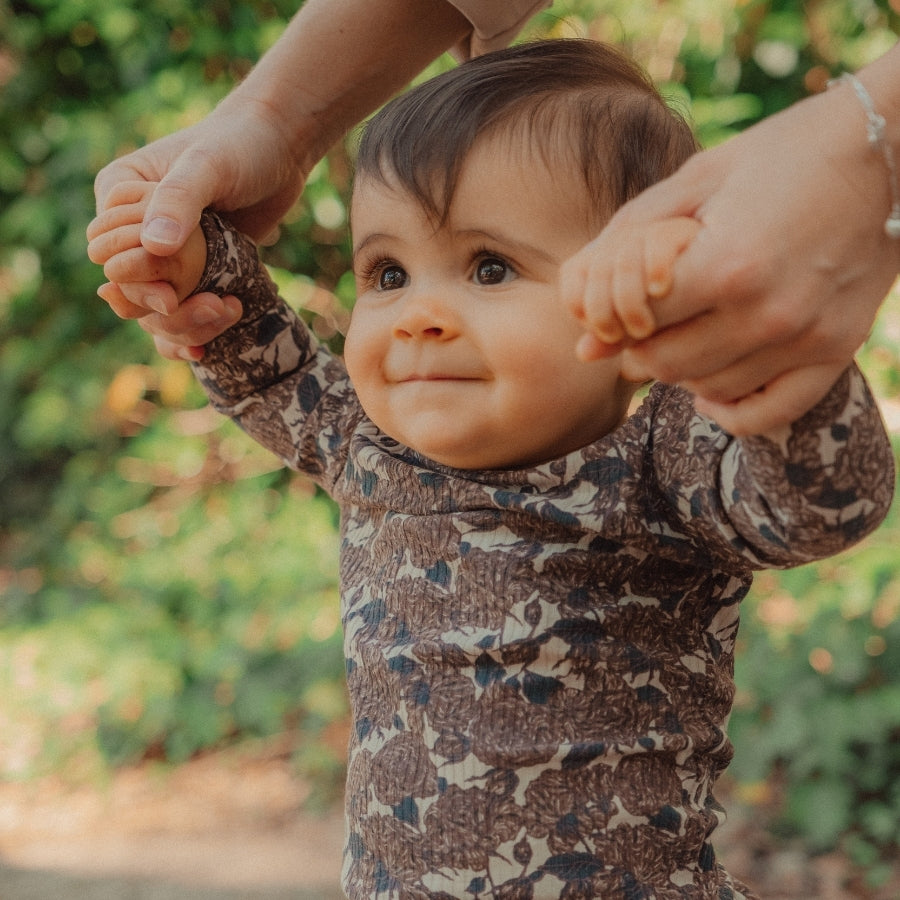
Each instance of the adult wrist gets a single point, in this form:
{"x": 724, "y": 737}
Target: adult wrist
{"x": 302, "y": 144}
{"x": 881, "y": 80}
{"x": 876, "y": 135}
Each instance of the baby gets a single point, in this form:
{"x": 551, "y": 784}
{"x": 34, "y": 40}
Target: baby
{"x": 539, "y": 591}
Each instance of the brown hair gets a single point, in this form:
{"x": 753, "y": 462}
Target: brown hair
{"x": 581, "y": 103}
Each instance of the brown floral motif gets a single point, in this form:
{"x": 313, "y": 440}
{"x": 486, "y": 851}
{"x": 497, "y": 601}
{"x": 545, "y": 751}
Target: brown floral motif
{"x": 451, "y": 701}
{"x": 568, "y": 808}
{"x": 508, "y": 730}
{"x": 401, "y": 770}
{"x": 540, "y": 661}
{"x": 356, "y": 790}
{"x": 464, "y": 825}
{"x": 377, "y": 698}
{"x": 453, "y": 745}
{"x": 398, "y": 848}
{"x": 498, "y": 589}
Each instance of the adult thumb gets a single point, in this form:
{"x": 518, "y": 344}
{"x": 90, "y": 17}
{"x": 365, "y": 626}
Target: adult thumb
{"x": 176, "y": 205}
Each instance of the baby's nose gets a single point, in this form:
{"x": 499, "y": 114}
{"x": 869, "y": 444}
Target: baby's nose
{"x": 427, "y": 317}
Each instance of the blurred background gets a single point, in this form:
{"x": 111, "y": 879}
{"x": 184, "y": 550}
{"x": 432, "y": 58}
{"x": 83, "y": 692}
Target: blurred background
{"x": 170, "y": 657}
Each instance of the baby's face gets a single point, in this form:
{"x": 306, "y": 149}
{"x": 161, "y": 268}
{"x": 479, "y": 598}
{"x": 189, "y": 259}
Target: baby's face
{"x": 459, "y": 346}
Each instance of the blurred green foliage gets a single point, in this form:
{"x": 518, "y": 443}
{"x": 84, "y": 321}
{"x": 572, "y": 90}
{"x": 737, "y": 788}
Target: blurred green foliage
{"x": 165, "y": 588}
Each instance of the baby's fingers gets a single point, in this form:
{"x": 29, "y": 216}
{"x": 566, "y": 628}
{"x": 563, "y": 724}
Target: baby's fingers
{"x": 585, "y": 289}
{"x": 127, "y": 193}
{"x": 171, "y": 350}
{"x": 666, "y": 240}
{"x": 629, "y": 298}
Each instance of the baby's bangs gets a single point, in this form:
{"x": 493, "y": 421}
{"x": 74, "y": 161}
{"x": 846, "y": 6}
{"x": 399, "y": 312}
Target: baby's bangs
{"x": 587, "y": 110}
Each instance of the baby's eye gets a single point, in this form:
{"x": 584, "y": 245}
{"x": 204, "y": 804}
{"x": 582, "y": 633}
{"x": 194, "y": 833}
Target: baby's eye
{"x": 390, "y": 277}
{"x": 493, "y": 270}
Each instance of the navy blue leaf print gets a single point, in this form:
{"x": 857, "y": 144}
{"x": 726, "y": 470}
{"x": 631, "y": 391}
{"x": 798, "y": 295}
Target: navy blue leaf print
{"x": 539, "y": 688}
{"x": 439, "y": 573}
{"x": 668, "y": 819}
{"x": 309, "y": 393}
{"x": 573, "y": 866}
{"x": 268, "y": 328}
{"x": 476, "y": 886}
{"x": 402, "y": 665}
{"x": 369, "y": 481}
{"x": 650, "y": 694}
{"x": 488, "y": 670}
{"x": 581, "y": 754}
{"x": 355, "y": 845}
{"x": 407, "y": 811}
{"x": 605, "y": 471}
{"x": 578, "y": 632}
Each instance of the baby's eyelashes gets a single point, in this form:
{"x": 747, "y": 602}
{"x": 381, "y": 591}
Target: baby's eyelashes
{"x": 377, "y": 273}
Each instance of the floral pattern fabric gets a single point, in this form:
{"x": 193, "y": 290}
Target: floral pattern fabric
{"x": 540, "y": 661}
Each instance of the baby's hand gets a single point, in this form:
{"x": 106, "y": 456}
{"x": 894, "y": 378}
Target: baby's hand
{"x": 114, "y": 241}
{"x": 610, "y": 288}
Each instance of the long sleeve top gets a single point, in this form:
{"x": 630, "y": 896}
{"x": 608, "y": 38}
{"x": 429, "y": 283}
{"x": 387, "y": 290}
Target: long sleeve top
{"x": 540, "y": 660}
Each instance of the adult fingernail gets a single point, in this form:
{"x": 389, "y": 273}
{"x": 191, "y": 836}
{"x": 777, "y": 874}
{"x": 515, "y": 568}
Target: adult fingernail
{"x": 205, "y": 315}
{"x": 162, "y": 230}
{"x": 157, "y": 304}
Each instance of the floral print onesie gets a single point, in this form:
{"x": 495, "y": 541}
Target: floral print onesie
{"x": 540, "y": 660}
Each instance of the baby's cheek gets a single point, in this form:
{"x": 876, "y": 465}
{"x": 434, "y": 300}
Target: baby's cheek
{"x": 351, "y": 349}
{"x": 362, "y": 357}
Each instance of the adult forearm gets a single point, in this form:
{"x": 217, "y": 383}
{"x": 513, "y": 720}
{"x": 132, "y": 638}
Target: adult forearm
{"x": 338, "y": 60}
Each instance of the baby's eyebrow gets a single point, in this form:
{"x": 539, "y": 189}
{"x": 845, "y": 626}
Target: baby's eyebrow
{"x": 373, "y": 238}
{"x": 505, "y": 240}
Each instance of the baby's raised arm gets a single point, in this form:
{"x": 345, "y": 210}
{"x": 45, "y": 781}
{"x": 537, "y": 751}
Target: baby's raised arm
{"x": 610, "y": 290}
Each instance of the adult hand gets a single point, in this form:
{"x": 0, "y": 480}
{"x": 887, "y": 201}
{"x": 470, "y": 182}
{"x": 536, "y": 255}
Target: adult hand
{"x": 208, "y": 165}
{"x": 782, "y": 282}
{"x": 114, "y": 242}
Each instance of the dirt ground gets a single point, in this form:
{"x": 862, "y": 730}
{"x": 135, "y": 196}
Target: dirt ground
{"x": 232, "y": 826}
{"x": 228, "y": 826}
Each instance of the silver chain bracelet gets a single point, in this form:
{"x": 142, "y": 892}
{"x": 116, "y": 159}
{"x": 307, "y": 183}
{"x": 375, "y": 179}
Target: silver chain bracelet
{"x": 875, "y": 125}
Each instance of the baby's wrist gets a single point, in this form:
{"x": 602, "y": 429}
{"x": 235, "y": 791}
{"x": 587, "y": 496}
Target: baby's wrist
{"x": 219, "y": 275}
{"x": 233, "y": 267}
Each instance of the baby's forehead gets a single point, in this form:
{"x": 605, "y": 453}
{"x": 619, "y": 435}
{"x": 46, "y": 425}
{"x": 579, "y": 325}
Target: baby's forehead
{"x": 527, "y": 159}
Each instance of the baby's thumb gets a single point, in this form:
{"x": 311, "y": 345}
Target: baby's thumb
{"x": 174, "y": 211}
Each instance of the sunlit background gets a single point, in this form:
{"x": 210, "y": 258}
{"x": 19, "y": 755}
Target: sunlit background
{"x": 168, "y": 594}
